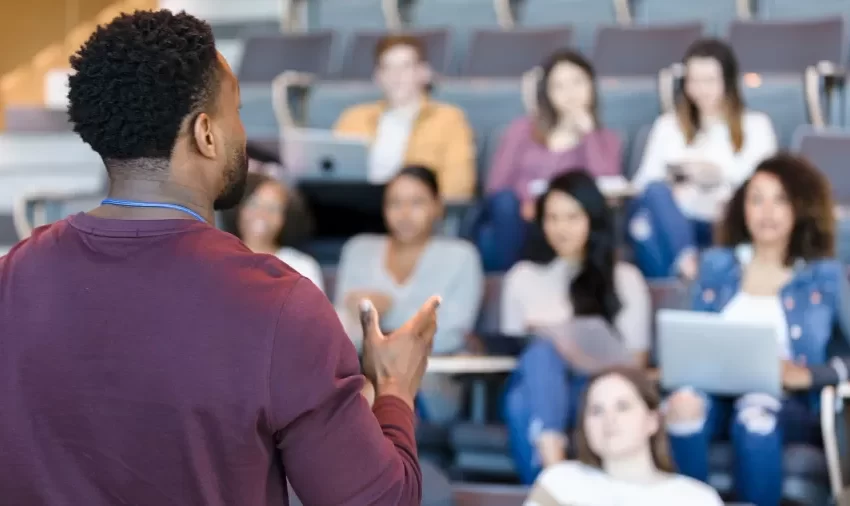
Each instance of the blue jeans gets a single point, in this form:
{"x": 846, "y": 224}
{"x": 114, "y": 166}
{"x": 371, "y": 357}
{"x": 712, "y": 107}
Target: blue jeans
{"x": 542, "y": 395}
{"x": 660, "y": 233}
{"x": 758, "y": 427}
{"x": 500, "y": 235}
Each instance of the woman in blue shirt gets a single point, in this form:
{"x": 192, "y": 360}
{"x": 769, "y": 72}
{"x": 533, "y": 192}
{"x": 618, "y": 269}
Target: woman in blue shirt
{"x": 776, "y": 266}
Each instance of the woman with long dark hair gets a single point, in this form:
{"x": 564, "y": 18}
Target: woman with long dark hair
{"x": 562, "y": 133}
{"x": 695, "y": 158}
{"x": 571, "y": 277}
{"x": 622, "y": 451}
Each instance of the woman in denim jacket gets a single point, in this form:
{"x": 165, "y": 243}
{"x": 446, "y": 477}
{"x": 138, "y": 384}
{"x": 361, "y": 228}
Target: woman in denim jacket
{"x": 776, "y": 266}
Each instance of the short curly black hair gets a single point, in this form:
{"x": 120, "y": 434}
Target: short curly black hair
{"x": 137, "y": 78}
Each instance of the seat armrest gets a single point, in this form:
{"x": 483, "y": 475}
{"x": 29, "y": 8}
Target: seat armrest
{"x": 832, "y": 399}
{"x": 290, "y": 84}
{"x": 456, "y": 211}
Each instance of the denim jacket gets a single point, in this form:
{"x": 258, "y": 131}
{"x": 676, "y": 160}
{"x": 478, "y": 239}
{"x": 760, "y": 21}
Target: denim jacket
{"x": 816, "y": 302}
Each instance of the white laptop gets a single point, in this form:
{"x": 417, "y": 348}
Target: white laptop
{"x": 321, "y": 155}
{"x": 717, "y": 356}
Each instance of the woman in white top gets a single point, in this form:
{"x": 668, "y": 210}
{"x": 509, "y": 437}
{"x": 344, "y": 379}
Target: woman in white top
{"x": 584, "y": 309}
{"x": 622, "y": 450}
{"x": 694, "y": 160}
{"x": 259, "y": 221}
{"x": 398, "y": 272}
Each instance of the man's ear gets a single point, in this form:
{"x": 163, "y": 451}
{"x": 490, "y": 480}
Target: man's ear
{"x": 202, "y": 132}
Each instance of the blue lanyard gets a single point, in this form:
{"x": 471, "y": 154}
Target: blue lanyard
{"x": 159, "y": 205}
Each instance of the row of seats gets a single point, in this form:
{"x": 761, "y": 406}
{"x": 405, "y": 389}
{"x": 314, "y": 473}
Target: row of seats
{"x": 618, "y": 51}
{"x": 627, "y": 105}
{"x": 234, "y": 20}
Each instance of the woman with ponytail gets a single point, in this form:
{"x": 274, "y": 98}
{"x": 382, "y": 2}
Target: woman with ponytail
{"x": 582, "y": 306}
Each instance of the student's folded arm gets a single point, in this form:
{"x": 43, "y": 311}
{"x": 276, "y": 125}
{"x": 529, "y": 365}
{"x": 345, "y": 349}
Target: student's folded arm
{"x": 457, "y": 175}
{"x": 837, "y": 369}
{"x": 325, "y": 430}
{"x": 603, "y": 153}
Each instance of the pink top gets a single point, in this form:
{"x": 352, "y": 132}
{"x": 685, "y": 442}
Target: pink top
{"x": 521, "y": 160}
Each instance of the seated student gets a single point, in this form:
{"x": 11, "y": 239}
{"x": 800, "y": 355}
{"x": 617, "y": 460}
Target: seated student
{"x": 622, "y": 451}
{"x": 407, "y": 127}
{"x": 563, "y": 133}
{"x": 260, "y": 221}
{"x": 400, "y": 271}
{"x": 694, "y": 160}
{"x": 776, "y": 266}
{"x": 572, "y": 273}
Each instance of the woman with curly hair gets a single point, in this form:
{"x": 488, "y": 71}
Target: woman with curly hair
{"x": 775, "y": 266}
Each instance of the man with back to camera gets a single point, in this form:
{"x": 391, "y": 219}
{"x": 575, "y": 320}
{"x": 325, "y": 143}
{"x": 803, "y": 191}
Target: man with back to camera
{"x": 147, "y": 358}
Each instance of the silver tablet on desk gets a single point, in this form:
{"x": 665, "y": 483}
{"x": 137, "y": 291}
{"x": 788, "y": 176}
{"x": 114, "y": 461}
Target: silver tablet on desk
{"x": 321, "y": 155}
{"x": 717, "y": 356}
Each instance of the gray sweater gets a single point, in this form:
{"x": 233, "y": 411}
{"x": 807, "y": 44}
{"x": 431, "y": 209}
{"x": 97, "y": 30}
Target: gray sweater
{"x": 448, "y": 267}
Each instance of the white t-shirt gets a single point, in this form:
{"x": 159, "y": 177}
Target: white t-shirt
{"x": 303, "y": 264}
{"x": 576, "y": 484}
{"x": 761, "y": 309}
{"x": 535, "y": 295}
{"x": 386, "y": 156}
{"x": 667, "y": 145}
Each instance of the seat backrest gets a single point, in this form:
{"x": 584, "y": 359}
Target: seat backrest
{"x": 346, "y": 15}
{"x": 265, "y": 57}
{"x": 626, "y": 104}
{"x": 327, "y": 100}
{"x": 359, "y": 61}
{"x": 498, "y": 53}
{"x": 583, "y": 16}
{"x": 787, "y": 46}
{"x": 640, "y": 50}
{"x": 715, "y": 14}
{"x": 463, "y": 16}
{"x": 829, "y": 150}
{"x": 491, "y": 306}
{"x": 245, "y": 29}
{"x": 638, "y": 146}
{"x": 227, "y": 11}
{"x": 782, "y": 97}
{"x": 257, "y": 112}
{"x": 489, "y": 104}
{"x": 797, "y": 9}
{"x": 28, "y": 119}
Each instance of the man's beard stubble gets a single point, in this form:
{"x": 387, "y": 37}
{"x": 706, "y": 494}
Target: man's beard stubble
{"x": 236, "y": 177}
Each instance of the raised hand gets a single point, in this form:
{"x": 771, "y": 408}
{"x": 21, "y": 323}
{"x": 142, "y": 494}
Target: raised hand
{"x": 396, "y": 363}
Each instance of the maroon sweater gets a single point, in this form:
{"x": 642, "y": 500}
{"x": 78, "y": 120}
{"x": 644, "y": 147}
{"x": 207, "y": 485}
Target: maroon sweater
{"x": 162, "y": 363}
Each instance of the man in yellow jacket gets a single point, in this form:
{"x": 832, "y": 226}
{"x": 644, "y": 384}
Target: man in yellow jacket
{"x": 407, "y": 128}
